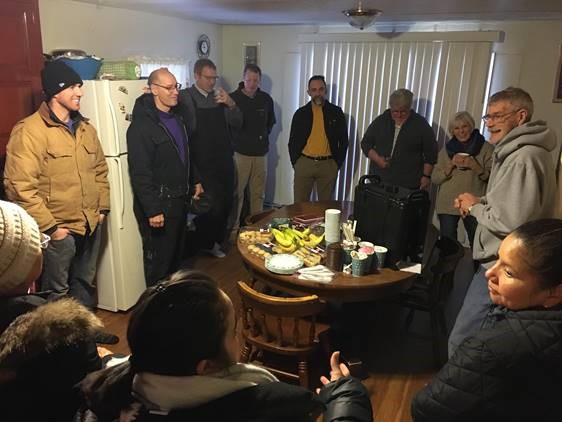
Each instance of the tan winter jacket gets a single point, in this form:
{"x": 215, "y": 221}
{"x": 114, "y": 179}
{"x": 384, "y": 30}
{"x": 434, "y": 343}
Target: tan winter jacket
{"x": 58, "y": 178}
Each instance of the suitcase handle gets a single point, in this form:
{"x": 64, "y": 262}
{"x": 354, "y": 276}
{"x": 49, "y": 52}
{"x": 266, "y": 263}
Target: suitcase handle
{"x": 419, "y": 194}
{"x": 377, "y": 180}
{"x": 363, "y": 179}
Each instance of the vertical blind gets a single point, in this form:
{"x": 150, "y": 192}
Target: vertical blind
{"x": 445, "y": 77}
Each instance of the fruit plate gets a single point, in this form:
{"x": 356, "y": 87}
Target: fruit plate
{"x": 283, "y": 263}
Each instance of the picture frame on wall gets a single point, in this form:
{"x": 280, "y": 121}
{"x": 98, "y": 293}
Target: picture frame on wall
{"x": 251, "y": 53}
{"x": 557, "y": 98}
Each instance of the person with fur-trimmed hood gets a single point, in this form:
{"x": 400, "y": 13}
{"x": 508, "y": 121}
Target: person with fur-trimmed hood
{"x": 45, "y": 348}
{"x": 43, "y": 354}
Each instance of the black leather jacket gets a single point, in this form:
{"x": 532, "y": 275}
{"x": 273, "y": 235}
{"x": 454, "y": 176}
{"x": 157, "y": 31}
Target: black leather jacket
{"x": 159, "y": 177}
{"x": 334, "y": 125}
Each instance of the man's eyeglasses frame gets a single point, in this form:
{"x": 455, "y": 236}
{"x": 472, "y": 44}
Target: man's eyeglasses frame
{"x": 171, "y": 88}
{"x": 499, "y": 117}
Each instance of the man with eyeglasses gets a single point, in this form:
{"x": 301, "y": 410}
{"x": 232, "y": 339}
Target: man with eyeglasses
{"x": 522, "y": 187}
{"x": 212, "y": 116}
{"x": 400, "y": 144}
{"x": 401, "y": 147}
{"x": 162, "y": 175}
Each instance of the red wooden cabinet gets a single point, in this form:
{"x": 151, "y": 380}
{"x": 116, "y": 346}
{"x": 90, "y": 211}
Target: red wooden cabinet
{"x": 21, "y": 61}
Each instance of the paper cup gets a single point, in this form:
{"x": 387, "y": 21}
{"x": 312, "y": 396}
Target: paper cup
{"x": 347, "y": 255}
{"x": 463, "y": 154}
{"x": 358, "y": 267}
{"x": 380, "y": 252}
{"x": 365, "y": 243}
{"x": 371, "y": 257}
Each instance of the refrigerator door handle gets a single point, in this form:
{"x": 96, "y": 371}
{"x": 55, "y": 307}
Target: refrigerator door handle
{"x": 113, "y": 115}
{"x": 121, "y": 213}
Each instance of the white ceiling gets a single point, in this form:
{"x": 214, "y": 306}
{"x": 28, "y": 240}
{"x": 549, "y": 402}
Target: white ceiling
{"x": 329, "y": 12}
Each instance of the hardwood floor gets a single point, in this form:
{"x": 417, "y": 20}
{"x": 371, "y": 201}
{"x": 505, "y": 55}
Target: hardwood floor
{"x": 398, "y": 363}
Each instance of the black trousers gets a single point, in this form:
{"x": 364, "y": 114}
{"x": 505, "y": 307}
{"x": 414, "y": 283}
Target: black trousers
{"x": 212, "y": 227}
{"x": 163, "y": 248}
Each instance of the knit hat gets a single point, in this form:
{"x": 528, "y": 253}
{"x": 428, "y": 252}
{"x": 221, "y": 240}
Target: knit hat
{"x": 20, "y": 245}
{"x": 57, "y": 76}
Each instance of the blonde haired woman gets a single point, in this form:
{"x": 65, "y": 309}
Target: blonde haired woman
{"x": 463, "y": 165}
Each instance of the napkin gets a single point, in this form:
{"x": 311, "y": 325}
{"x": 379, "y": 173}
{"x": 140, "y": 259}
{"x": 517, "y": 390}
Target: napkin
{"x": 318, "y": 273}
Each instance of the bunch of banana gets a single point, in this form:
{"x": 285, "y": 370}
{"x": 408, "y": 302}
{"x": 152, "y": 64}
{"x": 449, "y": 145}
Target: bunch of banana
{"x": 290, "y": 240}
{"x": 285, "y": 249}
{"x": 313, "y": 240}
{"x": 285, "y": 243}
{"x": 296, "y": 236}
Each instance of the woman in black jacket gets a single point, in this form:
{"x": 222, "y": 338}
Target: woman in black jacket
{"x": 511, "y": 370}
{"x": 182, "y": 336}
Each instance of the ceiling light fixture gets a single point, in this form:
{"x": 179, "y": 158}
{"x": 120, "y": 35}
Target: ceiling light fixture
{"x": 361, "y": 18}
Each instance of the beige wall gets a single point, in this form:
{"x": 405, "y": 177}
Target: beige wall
{"x": 116, "y": 34}
{"x": 527, "y": 57}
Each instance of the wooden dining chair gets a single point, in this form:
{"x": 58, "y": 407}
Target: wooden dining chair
{"x": 432, "y": 288}
{"x": 282, "y": 326}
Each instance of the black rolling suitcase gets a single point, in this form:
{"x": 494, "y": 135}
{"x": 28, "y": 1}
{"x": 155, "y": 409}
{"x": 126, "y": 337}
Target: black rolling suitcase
{"x": 391, "y": 216}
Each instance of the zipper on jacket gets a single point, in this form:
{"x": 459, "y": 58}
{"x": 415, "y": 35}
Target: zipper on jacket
{"x": 163, "y": 126}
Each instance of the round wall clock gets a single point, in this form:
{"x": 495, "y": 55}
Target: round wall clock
{"x": 203, "y": 46}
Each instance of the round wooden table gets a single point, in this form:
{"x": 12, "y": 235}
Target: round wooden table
{"x": 345, "y": 288}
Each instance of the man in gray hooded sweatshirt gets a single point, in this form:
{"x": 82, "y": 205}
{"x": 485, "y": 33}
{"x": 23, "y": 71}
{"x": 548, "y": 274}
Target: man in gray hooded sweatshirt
{"x": 521, "y": 188}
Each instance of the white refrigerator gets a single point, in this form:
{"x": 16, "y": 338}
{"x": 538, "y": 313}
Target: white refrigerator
{"x": 120, "y": 275}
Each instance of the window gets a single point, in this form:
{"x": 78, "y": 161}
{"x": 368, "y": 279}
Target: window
{"x": 178, "y": 67}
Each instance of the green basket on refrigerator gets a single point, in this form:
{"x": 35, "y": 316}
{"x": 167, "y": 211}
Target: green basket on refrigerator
{"x": 119, "y": 70}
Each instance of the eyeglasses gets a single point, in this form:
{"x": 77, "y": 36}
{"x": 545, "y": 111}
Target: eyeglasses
{"x": 170, "y": 88}
{"x": 498, "y": 117}
{"x": 399, "y": 112}
{"x": 45, "y": 239}
{"x": 211, "y": 78}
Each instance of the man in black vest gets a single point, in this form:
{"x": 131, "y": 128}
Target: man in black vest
{"x": 213, "y": 115}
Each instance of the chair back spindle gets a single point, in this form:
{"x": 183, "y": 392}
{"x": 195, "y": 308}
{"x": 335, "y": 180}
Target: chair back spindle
{"x": 288, "y": 326}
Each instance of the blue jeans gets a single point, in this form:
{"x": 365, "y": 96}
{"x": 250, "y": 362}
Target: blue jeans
{"x": 69, "y": 267}
{"x": 475, "y": 308}
{"x": 449, "y": 223}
